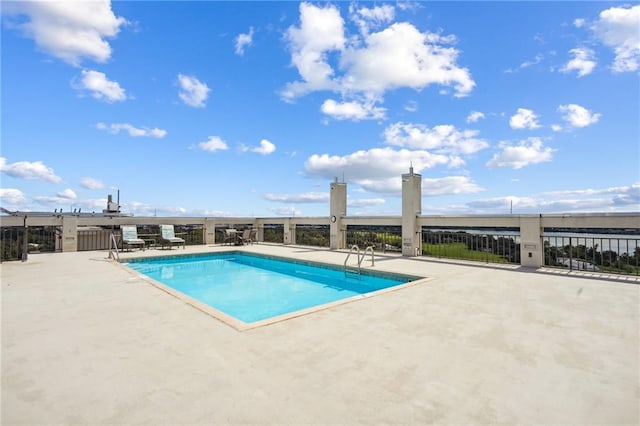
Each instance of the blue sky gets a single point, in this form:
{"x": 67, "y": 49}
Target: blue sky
{"x": 253, "y": 108}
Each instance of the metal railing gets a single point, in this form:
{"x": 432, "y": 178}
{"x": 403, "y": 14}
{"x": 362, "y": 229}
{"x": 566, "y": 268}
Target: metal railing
{"x": 273, "y": 233}
{"x": 40, "y": 239}
{"x": 98, "y": 238}
{"x": 313, "y": 235}
{"x": 595, "y": 242}
{"x": 381, "y": 238}
{"x": 94, "y": 238}
{"x": 475, "y": 245}
{"x": 113, "y": 247}
{"x": 618, "y": 254}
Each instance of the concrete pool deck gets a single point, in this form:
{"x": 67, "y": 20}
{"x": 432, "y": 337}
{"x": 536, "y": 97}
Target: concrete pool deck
{"x": 86, "y": 341}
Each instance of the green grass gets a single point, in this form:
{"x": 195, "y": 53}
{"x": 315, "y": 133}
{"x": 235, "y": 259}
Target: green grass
{"x": 460, "y": 251}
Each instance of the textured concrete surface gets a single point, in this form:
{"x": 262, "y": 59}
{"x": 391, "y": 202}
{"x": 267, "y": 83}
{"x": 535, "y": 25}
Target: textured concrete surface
{"x": 87, "y": 342}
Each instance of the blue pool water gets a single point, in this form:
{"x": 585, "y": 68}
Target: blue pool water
{"x": 252, "y": 288}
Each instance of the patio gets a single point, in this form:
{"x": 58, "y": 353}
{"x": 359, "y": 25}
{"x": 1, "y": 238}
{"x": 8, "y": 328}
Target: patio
{"x": 85, "y": 341}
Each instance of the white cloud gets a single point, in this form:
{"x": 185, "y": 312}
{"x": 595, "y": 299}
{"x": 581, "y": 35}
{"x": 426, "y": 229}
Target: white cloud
{"x": 628, "y": 196}
{"x": 367, "y": 18}
{"x": 265, "y": 148}
{"x": 449, "y": 185}
{"x": 371, "y": 63}
{"x": 579, "y": 22}
{"x": 286, "y": 211}
{"x": 617, "y": 27}
{"x": 500, "y": 204}
{"x": 411, "y": 106}
{"x": 29, "y": 170}
{"x": 366, "y": 202}
{"x": 321, "y": 31}
{"x": 583, "y": 61}
{"x": 352, "y": 110}
{"x": 243, "y": 40}
{"x": 12, "y": 196}
{"x": 213, "y": 144}
{"x": 578, "y": 116}
{"x": 192, "y": 91}
{"x": 474, "y": 116}
{"x": 306, "y": 197}
{"x": 376, "y": 170}
{"x": 69, "y": 30}
{"x": 442, "y": 139}
{"x": 524, "y": 119}
{"x": 402, "y": 56}
{"x": 526, "y": 64}
{"x": 371, "y": 164}
{"x": 142, "y": 209}
{"x": 625, "y": 198}
{"x": 68, "y": 194}
{"x": 536, "y": 60}
{"x": 91, "y": 183}
{"x": 527, "y": 152}
{"x": 115, "y": 128}
{"x": 100, "y": 87}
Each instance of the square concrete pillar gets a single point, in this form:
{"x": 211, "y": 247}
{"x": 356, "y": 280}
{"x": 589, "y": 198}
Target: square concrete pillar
{"x": 289, "y": 232}
{"x": 411, "y": 209}
{"x": 337, "y": 211}
{"x": 531, "y": 250}
{"x": 209, "y": 232}
{"x": 69, "y": 233}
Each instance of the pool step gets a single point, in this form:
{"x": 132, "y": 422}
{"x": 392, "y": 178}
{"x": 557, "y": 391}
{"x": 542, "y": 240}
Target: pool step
{"x": 352, "y": 272}
{"x": 356, "y": 269}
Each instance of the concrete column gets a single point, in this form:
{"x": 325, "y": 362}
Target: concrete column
{"x": 337, "y": 212}
{"x": 289, "y": 237}
{"x": 69, "y": 233}
{"x": 209, "y": 231}
{"x": 531, "y": 250}
{"x": 411, "y": 209}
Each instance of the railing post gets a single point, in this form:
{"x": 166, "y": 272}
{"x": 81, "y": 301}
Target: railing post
{"x": 287, "y": 237}
{"x": 411, "y": 209}
{"x": 337, "y": 211}
{"x": 69, "y": 233}
{"x": 209, "y": 232}
{"x": 531, "y": 252}
{"x": 25, "y": 241}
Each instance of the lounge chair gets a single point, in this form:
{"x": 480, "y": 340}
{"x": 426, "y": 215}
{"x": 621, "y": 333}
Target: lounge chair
{"x": 168, "y": 237}
{"x": 130, "y": 237}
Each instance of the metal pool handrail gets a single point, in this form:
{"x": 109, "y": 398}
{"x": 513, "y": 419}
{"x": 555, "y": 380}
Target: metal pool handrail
{"x": 112, "y": 240}
{"x": 359, "y": 257}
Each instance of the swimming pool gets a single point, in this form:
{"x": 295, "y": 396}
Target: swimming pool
{"x": 257, "y": 289}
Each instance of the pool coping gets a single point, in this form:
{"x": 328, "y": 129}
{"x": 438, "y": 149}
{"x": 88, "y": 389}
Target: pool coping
{"x": 240, "y": 325}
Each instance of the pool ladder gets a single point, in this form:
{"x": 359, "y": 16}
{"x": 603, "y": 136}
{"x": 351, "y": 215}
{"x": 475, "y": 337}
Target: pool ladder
{"x": 356, "y": 249}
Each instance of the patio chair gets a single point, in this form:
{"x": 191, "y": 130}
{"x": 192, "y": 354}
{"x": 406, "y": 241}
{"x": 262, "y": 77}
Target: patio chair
{"x": 245, "y": 238}
{"x": 248, "y": 236}
{"x": 230, "y": 236}
{"x": 168, "y": 237}
{"x": 130, "y": 237}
